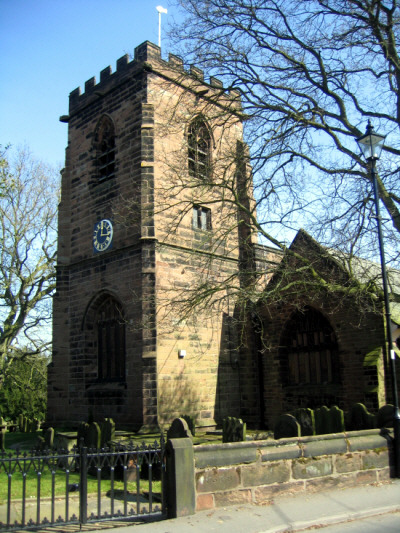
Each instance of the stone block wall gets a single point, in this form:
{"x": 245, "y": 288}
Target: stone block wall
{"x": 148, "y": 104}
{"x": 255, "y": 472}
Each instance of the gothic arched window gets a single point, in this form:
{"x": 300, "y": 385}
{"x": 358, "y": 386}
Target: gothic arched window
{"x": 105, "y": 148}
{"x": 110, "y": 340}
{"x": 309, "y": 351}
{"x": 199, "y": 149}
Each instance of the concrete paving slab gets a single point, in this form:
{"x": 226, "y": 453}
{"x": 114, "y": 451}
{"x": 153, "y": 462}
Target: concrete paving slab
{"x": 298, "y": 512}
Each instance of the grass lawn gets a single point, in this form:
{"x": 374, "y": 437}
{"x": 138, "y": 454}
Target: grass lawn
{"x": 60, "y": 485}
{"x": 49, "y": 482}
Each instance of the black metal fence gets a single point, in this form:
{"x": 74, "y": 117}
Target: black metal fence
{"x": 45, "y": 487}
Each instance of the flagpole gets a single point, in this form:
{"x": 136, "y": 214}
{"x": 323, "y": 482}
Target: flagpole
{"x": 160, "y": 10}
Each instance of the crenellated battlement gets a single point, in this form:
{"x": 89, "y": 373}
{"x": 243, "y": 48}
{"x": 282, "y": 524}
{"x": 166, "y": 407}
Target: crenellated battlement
{"x": 146, "y": 55}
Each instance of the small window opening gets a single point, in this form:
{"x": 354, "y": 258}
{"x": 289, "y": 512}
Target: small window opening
{"x": 201, "y": 218}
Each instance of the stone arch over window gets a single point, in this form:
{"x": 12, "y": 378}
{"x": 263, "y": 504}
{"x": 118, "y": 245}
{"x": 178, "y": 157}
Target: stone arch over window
{"x": 105, "y": 321}
{"x": 309, "y": 350}
{"x": 104, "y": 144}
{"x": 199, "y": 148}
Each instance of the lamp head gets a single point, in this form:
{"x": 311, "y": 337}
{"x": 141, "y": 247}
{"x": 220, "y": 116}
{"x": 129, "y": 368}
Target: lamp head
{"x": 371, "y": 143}
{"x": 162, "y": 9}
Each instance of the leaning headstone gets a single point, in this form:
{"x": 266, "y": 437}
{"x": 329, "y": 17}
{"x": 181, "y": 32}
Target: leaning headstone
{"x": 385, "y": 416}
{"x": 286, "y": 427}
{"x": 191, "y": 423}
{"x": 322, "y": 420}
{"x": 21, "y": 422}
{"x": 233, "y": 430}
{"x": 94, "y": 436}
{"x": 306, "y": 419}
{"x": 361, "y": 418}
{"x": 179, "y": 429}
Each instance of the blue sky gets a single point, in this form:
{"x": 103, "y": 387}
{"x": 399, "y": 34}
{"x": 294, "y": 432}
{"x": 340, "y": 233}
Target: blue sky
{"x": 50, "y": 47}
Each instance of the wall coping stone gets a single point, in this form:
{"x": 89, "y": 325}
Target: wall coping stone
{"x": 215, "y": 455}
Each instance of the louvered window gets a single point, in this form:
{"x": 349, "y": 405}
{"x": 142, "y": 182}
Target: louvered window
{"x": 110, "y": 341}
{"x": 199, "y": 149}
{"x": 105, "y": 148}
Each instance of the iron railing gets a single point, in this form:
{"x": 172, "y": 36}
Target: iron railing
{"x": 47, "y": 487}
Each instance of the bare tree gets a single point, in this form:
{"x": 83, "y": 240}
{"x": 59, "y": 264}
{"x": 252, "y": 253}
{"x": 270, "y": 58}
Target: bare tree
{"x": 28, "y": 214}
{"x": 310, "y": 75}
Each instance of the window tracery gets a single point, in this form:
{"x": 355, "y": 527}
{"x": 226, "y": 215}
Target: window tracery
{"x": 199, "y": 149}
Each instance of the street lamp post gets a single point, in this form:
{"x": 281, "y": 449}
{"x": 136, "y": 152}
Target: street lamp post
{"x": 371, "y": 145}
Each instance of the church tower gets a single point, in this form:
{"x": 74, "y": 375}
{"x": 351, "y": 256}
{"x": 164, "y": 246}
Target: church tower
{"x": 147, "y": 218}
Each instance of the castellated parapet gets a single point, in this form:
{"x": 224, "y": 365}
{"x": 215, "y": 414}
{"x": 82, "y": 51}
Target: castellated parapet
{"x": 147, "y": 56}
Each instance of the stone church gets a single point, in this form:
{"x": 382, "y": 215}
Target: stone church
{"x": 155, "y": 166}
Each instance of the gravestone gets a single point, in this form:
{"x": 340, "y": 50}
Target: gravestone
{"x": 107, "y": 428}
{"x": 385, "y": 416}
{"x": 49, "y": 438}
{"x": 321, "y": 420}
{"x": 306, "y": 419}
{"x": 190, "y": 420}
{"x": 233, "y": 430}
{"x": 286, "y": 427}
{"x": 94, "y": 436}
{"x": 336, "y": 420}
{"x": 361, "y": 418}
{"x": 179, "y": 429}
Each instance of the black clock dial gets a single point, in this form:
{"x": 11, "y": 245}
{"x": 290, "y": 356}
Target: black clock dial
{"x": 102, "y": 235}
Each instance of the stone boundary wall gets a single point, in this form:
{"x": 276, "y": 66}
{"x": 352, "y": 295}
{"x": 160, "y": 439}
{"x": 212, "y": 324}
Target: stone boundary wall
{"x": 255, "y": 472}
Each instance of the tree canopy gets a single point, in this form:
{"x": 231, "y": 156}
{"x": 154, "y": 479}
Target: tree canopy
{"x": 310, "y": 75}
{"x": 28, "y": 215}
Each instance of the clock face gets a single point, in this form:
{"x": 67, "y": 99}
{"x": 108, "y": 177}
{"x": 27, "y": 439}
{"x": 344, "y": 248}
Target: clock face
{"x": 102, "y": 235}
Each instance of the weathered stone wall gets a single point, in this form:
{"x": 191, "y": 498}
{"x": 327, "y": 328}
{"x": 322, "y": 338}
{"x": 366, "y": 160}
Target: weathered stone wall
{"x": 82, "y": 276}
{"x": 254, "y": 472}
{"x": 356, "y": 336}
{"x": 156, "y": 253}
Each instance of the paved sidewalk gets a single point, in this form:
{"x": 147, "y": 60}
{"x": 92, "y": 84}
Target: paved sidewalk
{"x": 298, "y": 512}
{"x": 286, "y": 513}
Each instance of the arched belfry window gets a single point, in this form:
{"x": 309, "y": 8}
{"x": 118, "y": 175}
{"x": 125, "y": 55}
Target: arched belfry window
{"x": 309, "y": 350}
{"x": 199, "y": 149}
{"x": 110, "y": 326}
{"x": 105, "y": 148}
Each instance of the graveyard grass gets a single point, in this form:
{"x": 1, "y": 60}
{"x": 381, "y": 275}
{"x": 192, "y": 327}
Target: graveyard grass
{"x": 25, "y": 442}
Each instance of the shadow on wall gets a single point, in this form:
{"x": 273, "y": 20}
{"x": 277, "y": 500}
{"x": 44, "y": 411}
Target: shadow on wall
{"x": 178, "y": 395}
{"x": 227, "y": 397}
